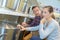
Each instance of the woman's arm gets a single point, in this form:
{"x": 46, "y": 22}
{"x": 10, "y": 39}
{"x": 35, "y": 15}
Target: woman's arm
{"x": 32, "y": 28}
{"x": 44, "y": 33}
{"x": 35, "y": 28}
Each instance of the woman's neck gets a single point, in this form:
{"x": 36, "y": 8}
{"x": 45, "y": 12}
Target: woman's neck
{"x": 49, "y": 19}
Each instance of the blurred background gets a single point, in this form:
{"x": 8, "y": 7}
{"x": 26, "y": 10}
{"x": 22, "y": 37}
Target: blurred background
{"x": 13, "y": 12}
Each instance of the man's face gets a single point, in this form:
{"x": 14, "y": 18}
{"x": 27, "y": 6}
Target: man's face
{"x": 37, "y": 11}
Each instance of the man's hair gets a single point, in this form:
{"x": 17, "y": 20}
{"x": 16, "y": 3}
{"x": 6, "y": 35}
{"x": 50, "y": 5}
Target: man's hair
{"x": 34, "y": 7}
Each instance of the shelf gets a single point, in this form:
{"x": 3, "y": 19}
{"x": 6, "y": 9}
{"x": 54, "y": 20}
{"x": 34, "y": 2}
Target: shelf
{"x": 14, "y": 13}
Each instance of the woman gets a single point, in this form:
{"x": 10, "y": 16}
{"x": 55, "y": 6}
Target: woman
{"x": 48, "y": 27}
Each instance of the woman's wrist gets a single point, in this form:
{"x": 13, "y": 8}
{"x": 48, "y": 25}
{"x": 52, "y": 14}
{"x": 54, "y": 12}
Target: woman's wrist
{"x": 25, "y": 28}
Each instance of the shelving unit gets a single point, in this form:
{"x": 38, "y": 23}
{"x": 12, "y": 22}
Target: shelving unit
{"x": 11, "y": 13}
{"x": 5, "y": 11}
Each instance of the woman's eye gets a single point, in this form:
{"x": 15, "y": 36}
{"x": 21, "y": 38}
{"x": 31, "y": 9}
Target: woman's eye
{"x": 44, "y": 12}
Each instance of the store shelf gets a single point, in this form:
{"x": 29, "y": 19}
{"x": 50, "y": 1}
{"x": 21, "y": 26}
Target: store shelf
{"x": 14, "y": 13}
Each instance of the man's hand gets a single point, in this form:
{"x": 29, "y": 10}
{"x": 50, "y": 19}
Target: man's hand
{"x": 24, "y": 24}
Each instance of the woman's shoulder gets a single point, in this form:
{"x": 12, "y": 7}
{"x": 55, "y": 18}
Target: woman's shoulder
{"x": 54, "y": 22}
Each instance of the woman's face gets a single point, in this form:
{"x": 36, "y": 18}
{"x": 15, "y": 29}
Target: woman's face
{"x": 45, "y": 13}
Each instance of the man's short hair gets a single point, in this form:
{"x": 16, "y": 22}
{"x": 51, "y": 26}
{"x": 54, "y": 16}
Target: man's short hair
{"x": 34, "y": 7}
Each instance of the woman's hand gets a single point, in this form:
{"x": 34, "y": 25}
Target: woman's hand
{"x": 43, "y": 21}
{"x": 18, "y": 26}
{"x": 21, "y": 27}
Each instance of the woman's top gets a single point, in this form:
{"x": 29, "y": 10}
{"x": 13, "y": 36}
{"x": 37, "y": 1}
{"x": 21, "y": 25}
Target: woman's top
{"x": 50, "y": 31}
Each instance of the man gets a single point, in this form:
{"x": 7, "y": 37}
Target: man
{"x": 36, "y": 20}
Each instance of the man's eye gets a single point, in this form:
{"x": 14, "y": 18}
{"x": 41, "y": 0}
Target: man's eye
{"x": 45, "y": 12}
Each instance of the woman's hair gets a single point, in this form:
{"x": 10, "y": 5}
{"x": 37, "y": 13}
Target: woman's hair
{"x": 50, "y": 9}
